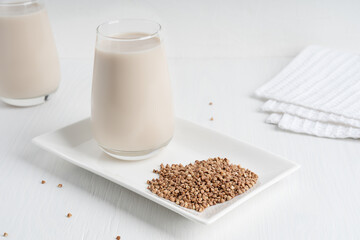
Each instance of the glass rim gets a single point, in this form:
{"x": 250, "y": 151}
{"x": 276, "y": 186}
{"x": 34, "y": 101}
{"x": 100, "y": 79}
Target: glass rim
{"x": 19, "y": 3}
{"x": 151, "y": 35}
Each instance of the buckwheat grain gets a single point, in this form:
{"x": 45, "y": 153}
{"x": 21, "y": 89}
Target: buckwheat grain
{"x": 203, "y": 183}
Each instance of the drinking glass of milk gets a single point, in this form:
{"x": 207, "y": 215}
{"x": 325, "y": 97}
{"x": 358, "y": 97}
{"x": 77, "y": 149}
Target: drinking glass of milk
{"x": 131, "y": 106}
{"x": 29, "y": 65}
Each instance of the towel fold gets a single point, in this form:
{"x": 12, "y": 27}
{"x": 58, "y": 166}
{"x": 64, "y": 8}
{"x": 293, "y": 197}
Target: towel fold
{"x": 318, "y": 93}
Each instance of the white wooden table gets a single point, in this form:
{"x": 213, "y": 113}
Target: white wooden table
{"x": 320, "y": 201}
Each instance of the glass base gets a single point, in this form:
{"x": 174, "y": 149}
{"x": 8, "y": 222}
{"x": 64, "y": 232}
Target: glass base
{"x": 134, "y": 155}
{"x": 26, "y": 102}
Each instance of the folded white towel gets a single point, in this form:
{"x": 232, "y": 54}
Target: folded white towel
{"x": 318, "y": 93}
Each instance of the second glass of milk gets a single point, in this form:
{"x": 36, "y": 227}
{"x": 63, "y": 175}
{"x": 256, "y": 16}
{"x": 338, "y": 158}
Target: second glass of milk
{"x": 131, "y": 106}
{"x": 29, "y": 64}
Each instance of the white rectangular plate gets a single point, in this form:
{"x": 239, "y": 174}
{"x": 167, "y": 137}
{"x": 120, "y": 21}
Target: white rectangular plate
{"x": 191, "y": 142}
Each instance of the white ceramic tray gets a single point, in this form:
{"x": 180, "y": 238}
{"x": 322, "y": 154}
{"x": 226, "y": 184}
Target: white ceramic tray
{"x": 191, "y": 142}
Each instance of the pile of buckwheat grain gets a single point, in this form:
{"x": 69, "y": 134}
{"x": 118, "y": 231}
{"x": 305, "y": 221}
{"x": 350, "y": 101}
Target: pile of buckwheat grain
{"x": 202, "y": 184}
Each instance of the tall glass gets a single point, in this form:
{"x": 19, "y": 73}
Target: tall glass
{"x": 131, "y": 110}
{"x": 29, "y": 65}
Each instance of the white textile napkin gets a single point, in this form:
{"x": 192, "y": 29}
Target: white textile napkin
{"x": 318, "y": 93}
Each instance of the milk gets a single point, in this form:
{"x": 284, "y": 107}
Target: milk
{"x": 131, "y": 95}
{"x": 29, "y": 64}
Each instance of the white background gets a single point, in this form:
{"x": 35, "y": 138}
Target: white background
{"x": 219, "y": 51}
{"x": 220, "y": 28}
